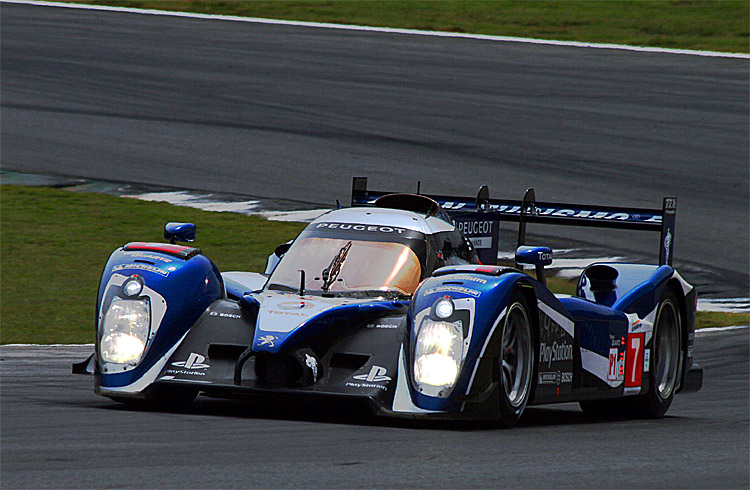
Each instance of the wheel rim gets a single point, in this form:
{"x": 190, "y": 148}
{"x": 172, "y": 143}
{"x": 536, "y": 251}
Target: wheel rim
{"x": 516, "y": 355}
{"x": 667, "y": 349}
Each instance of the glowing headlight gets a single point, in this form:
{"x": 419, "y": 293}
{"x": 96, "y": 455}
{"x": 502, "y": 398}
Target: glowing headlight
{"x": 438, "y": 353}
{"x": 124, "y": 331}
{"x": 444, "y": 308}
{"x": 133, "y": 286}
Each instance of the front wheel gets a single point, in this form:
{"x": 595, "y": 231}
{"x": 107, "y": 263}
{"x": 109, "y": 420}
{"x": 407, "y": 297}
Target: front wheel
{"x": 516, "y": 361}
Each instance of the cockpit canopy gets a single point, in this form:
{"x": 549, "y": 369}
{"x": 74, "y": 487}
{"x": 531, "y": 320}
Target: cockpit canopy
{"x": 368, "y": 267}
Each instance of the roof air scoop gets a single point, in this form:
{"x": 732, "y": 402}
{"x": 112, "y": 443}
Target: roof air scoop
{"x": 412, "y": 202}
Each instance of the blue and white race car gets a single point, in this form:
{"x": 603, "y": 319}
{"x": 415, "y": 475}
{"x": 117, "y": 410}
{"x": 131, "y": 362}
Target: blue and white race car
{"x": 387, "y": 302}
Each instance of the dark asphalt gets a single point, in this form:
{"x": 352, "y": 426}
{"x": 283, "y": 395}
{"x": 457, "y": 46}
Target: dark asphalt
{"x": 295, "y": 112}
{"x": 57, "y": 434}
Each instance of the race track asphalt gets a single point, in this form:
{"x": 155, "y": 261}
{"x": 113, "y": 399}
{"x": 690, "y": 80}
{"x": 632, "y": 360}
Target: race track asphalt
{"x": 56, "y": 433}
{"x": 275, "y": 111}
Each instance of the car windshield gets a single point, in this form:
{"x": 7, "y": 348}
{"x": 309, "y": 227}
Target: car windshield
{"x": 364, "y": 267}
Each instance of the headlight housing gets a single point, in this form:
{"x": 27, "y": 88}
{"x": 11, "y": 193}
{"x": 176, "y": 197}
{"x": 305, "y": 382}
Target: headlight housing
{"x": 124, "y": 331}
{"x": 438, "y": 355}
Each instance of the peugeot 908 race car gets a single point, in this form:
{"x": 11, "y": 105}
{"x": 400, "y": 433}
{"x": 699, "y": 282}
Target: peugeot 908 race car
{"x": 388, "y": 302}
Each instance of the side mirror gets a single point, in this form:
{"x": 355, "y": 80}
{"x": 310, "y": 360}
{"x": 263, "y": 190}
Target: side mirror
{"x": 536, "y": 256}
{"x": 180, "y": 232}
{"x": 275, "y": 257}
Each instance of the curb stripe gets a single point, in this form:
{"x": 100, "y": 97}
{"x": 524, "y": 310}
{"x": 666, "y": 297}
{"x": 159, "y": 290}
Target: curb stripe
{"x": 387, "y": 30}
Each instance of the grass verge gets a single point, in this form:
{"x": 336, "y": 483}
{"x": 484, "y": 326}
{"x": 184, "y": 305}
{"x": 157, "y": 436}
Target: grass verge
{"x": 714, "y": 25}
{"x": 54, "y": 243}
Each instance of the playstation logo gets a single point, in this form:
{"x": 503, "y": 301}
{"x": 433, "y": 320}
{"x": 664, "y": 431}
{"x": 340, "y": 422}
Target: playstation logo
{"x": 377, "y": 373}
{"x": 194, "y": 361}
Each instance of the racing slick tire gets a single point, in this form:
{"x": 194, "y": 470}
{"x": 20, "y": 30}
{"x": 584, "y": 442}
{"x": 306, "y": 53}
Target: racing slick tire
{"x": 664, "y": 362}
{"x": 516, "y": 361}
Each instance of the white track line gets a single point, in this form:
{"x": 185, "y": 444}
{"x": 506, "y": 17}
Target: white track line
{"x": 720, "y": 329}
{"x": 388, "y": 30}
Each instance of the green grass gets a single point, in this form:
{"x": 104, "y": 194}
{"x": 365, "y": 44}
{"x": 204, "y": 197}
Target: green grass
{"x": 54, "y": 244}
{"x": 706, "y": 319}
{"x": 715, "y": 25}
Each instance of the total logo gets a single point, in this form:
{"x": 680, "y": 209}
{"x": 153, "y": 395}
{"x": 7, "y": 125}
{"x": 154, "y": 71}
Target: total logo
{"x": 194, "y": 361}
{"x": 377, "y": 373}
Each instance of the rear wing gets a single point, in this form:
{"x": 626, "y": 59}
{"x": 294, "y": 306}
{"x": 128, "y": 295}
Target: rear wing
{"x": 478, "y": 217}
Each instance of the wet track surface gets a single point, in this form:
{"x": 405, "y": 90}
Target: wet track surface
{"x": 57, "y": 434}
{"x": 275, "y": 111}
{"x": 288, "y": 112}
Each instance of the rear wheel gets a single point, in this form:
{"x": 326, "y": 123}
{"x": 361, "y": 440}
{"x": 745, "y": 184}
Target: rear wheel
{"x": 516, "y": 361}
{"x": 664, "y": 369}
{"x": 665, "y": 362}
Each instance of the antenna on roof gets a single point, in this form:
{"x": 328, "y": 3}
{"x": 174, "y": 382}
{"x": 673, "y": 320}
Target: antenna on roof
{"x": 419, "y": 186}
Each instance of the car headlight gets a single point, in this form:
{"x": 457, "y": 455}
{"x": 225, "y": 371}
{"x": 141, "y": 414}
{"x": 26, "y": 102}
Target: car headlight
{"x": 443, "y": 308}
{"x": 125, "y": 330}
{"x": 437, "y": 356}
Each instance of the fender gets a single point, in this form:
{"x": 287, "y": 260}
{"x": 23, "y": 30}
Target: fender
{"x": 180, "y": 283}
{"x": 481, "y": 294}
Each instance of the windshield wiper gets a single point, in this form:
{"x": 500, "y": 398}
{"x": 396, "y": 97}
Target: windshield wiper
{"x": 334, "y": 268}
{"x": 376, "y": 293}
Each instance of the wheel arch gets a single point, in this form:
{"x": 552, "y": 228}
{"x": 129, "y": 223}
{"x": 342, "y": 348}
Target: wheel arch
{"x": 676, "y": 288}
{"x": 527, "y": 290}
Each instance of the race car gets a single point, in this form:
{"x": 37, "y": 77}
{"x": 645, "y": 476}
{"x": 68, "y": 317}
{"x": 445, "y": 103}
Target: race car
{"x": 397, "y": 301}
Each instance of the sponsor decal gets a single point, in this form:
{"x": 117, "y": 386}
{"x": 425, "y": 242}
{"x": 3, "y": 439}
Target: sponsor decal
{"x": 141, "y": 267}
{"x": 481, "y": 242}
{"x": 140, "y": 255}
{"x": 667, "y": 244}
{"x": 360, "y": 227}
{"x": 295, "y": 305}
{"x": 224, "y": 315}
{"x": 616, "y": 365}
{"x": 184, "y": 371}
{"x": 384, "y": 325}
{"x": 377, "y": 373}
{"x": 475, "y": 227}
{"x": 646, "y": 359}
{"x": 287, "y": 313}
{"x": 633, "y": 390}
{"x": 634, "y": 360}
{"x": 555, "y": 352}
{"x": 467, "y": 277}
{"x": 564, "y": 212}
{"x": 312, "y": 363}
{"x": 349, "y": 384}
{"x": 545, "y": 255}
{"x": 637, "y": 325}
{"x": 268, "y": 340}
{"x": 555, "y": 378}
{"x": 454, "y": 289}
{"x": 194, "y": 361}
